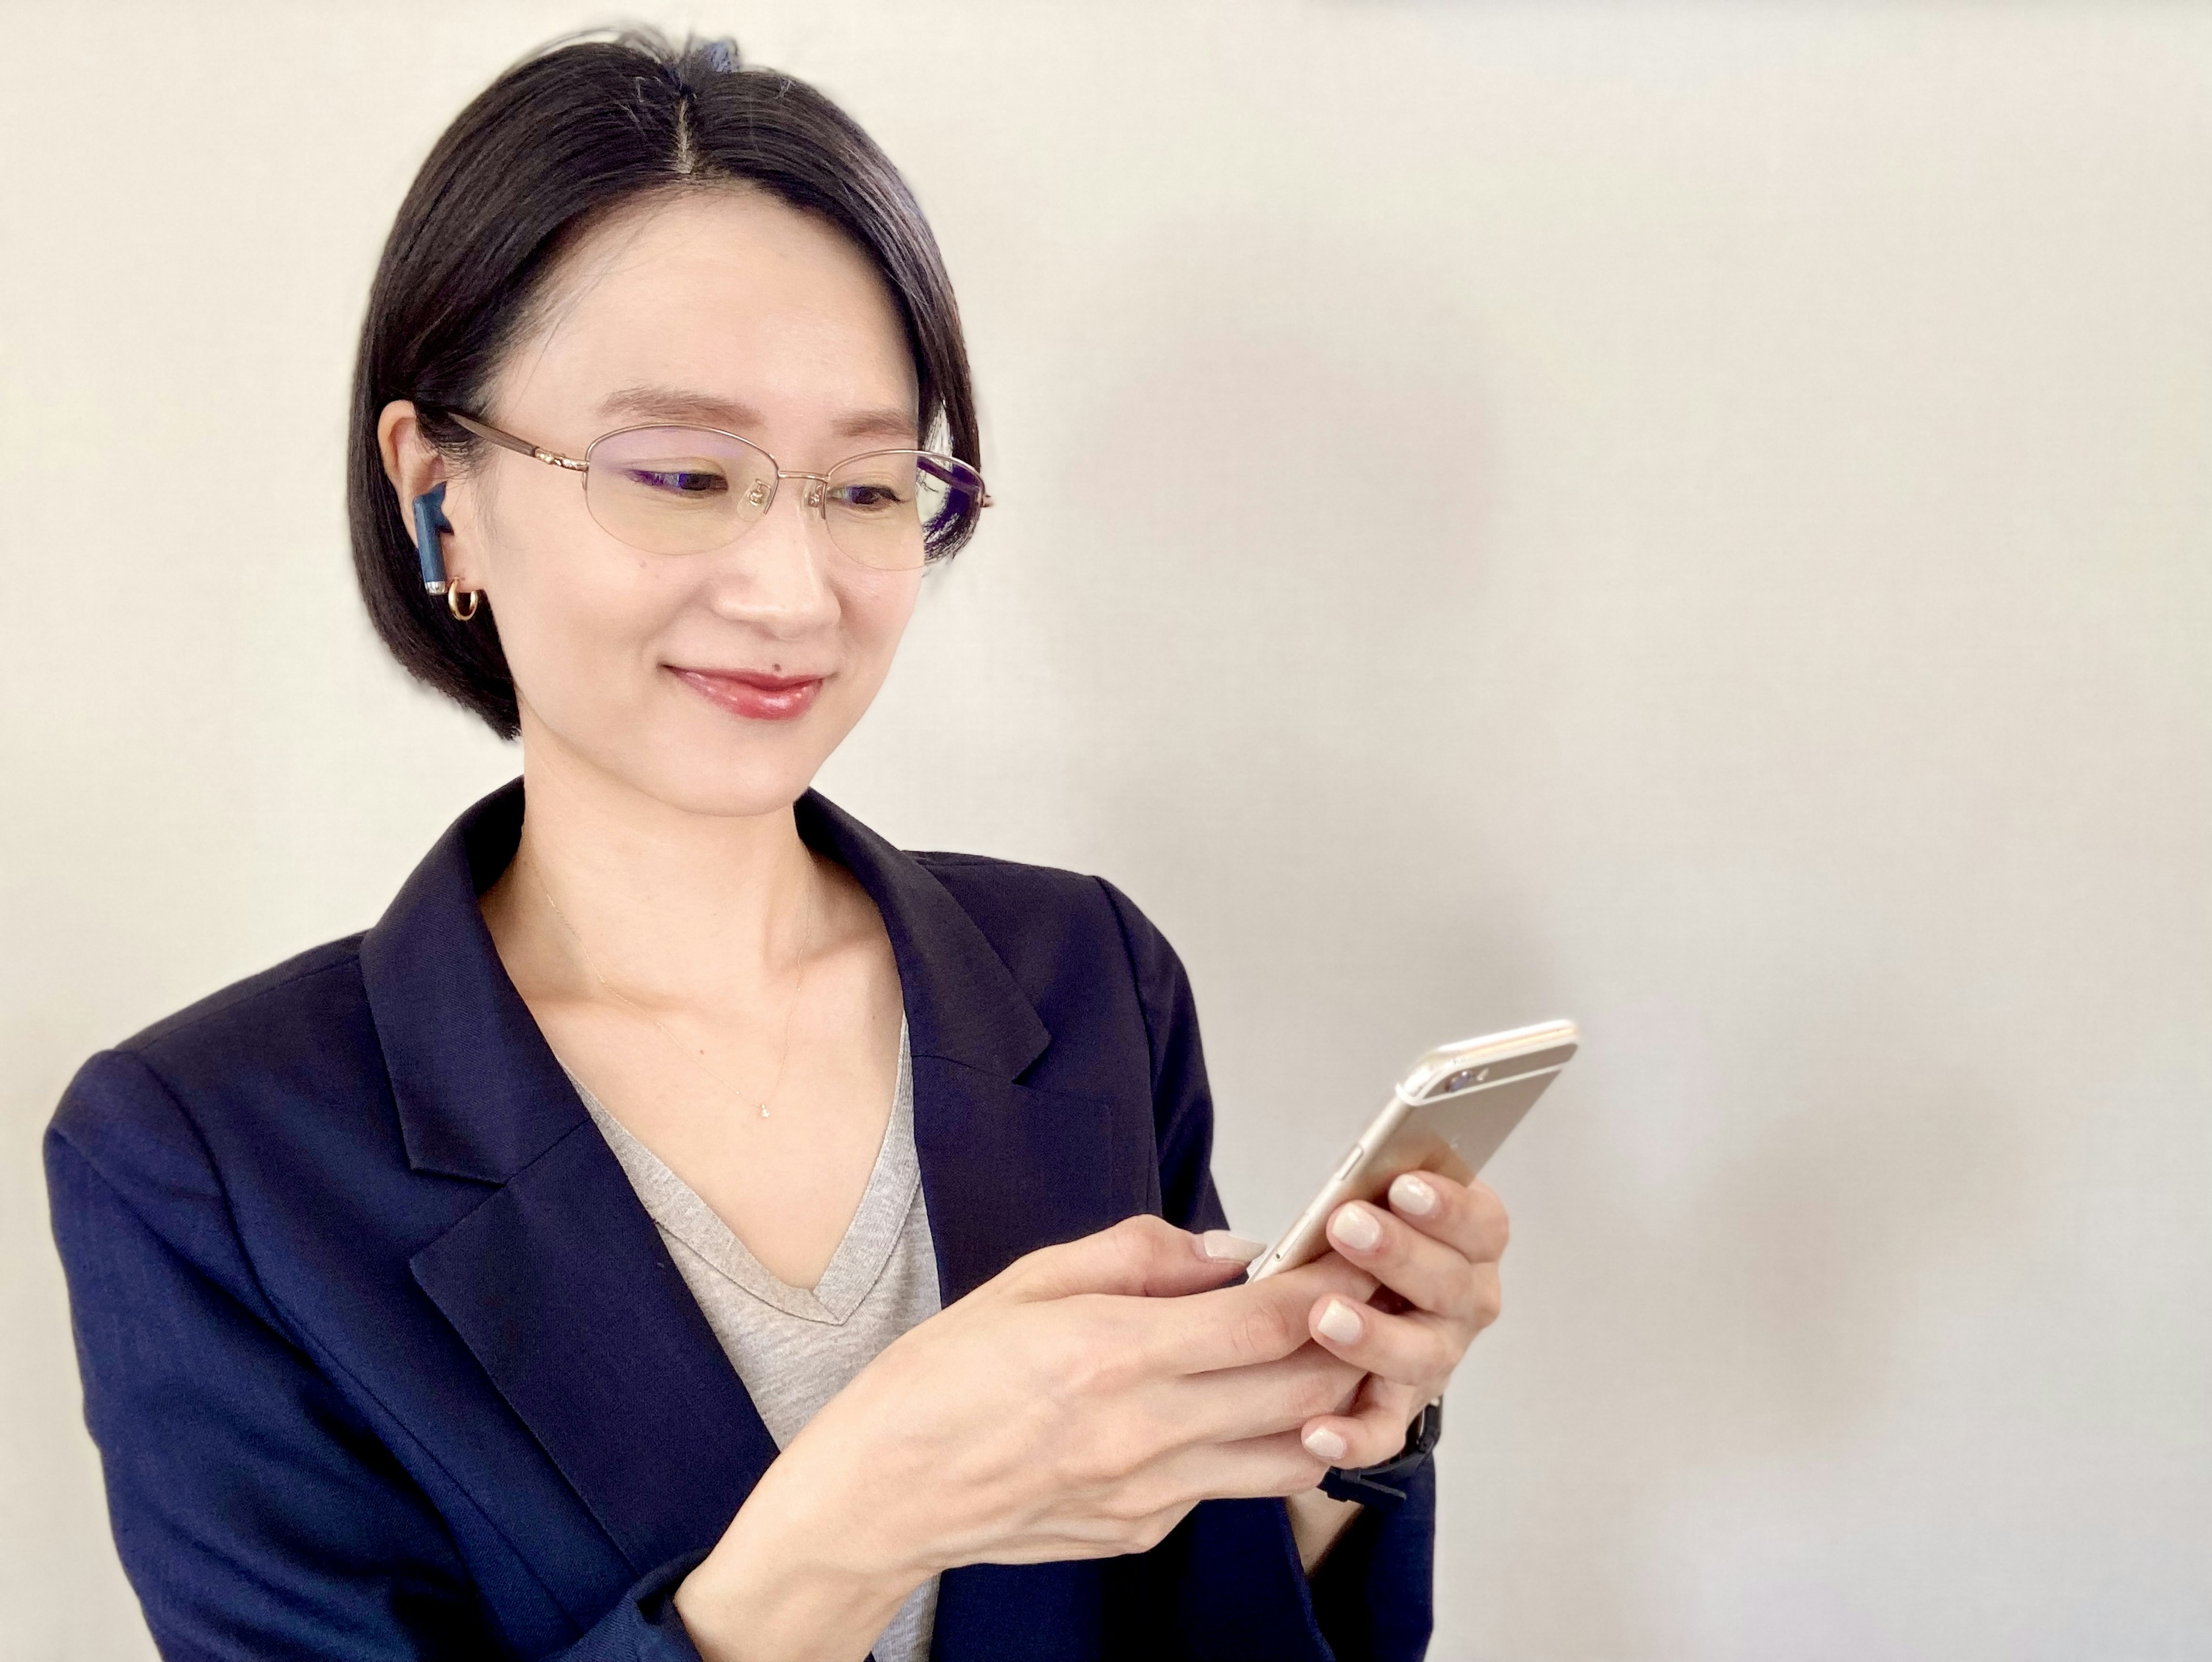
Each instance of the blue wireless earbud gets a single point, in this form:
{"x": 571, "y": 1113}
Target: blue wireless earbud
{"x": 429, "y": 520}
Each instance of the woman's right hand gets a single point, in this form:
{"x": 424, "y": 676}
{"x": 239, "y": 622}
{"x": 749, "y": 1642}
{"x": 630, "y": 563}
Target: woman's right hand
{"x": 1077, "y": 1405}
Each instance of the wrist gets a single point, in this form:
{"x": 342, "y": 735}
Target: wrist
{"x": 794, "y": 1578}
{"x": 1382, "y": 1484}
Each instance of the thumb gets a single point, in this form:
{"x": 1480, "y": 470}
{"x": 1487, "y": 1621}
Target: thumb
{"x": 1142, "y": 1256}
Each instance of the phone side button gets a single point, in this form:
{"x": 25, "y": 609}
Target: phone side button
{"x": 1351, "y": 1163}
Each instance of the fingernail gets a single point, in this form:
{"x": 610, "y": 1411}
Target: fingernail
{"x": 1221, "y": 1247}
{"x": 1324, "y": 1444}
{"x": 1340, "y": 1322}
{"x": 1357, "y": 1227}
{"x": 1410, "y": 1194}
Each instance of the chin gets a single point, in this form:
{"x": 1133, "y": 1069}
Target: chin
{"x": 690, "y": 756}
{"x": 729, "y": 787}
{"x": 727, "y": 773}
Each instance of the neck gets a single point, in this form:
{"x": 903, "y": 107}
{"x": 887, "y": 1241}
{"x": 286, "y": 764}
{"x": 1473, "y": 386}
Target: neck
{"x": 667, "y": 905}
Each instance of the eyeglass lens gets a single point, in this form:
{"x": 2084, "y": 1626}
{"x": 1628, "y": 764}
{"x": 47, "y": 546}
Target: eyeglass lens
{"x": 688, "y": 490}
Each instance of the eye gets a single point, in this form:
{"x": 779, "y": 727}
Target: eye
{"x": 680, "y": 481}
{"x": 869, "y": 498}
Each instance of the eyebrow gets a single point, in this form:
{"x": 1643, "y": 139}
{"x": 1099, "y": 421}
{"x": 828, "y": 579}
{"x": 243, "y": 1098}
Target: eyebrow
{"x": 678, "y": 403}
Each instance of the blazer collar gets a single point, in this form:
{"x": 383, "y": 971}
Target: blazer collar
{"x": 479, "y": 1092}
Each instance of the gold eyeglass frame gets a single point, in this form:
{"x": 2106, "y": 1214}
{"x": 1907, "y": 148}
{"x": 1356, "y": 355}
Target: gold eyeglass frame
{"x": 816, "y": 497}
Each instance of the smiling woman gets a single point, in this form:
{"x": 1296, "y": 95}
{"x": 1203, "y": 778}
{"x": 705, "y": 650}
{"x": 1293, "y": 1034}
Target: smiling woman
{"x": 685, "y": 1226}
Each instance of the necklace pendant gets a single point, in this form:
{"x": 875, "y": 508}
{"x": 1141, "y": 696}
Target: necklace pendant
{"x": 763, "y": 1111}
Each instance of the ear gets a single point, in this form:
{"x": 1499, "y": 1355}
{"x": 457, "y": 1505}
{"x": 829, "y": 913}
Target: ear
{"x": 411, "y": 462}
{"x": 414, "y": 465}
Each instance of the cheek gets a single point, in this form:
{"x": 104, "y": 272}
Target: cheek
{"x": 577, "y": 612}
{"x": 874, "y": 610}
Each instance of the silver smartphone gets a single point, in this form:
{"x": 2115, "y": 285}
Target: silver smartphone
{"x": 1449, "y": 1115}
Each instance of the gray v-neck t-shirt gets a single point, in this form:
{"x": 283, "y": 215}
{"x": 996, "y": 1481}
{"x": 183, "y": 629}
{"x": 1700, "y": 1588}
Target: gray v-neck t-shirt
{"x": 797, "y": 1346}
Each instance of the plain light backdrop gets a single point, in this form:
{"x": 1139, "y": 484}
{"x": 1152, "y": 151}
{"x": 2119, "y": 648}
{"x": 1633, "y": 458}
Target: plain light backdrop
{"x": 1691, "y": 518}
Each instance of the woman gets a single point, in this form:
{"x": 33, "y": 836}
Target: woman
{"x": 684, "y": 1225}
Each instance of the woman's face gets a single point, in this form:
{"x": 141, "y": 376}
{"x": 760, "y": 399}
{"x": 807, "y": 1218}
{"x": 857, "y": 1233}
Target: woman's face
{"x": 716, "y": 682}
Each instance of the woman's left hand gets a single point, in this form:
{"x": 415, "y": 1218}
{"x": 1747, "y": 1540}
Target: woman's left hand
{"x": 1436, "y": 1249}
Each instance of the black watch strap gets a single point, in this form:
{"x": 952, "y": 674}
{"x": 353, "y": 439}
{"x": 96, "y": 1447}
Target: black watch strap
{"x": 1383, "y": 1485}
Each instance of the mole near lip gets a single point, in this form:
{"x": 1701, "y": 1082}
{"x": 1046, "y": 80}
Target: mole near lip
{"x": 755, "y": 695}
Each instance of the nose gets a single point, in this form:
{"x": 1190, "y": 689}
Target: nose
{"x": 776, "y": 576}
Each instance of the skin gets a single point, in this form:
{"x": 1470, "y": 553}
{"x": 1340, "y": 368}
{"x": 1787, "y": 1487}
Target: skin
{"x": 667, "y": 929}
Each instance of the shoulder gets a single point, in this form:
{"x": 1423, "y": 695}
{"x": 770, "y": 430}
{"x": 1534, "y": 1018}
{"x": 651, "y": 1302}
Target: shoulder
{"x": 1012, "y": 894}
{"x": 285, "y": 1013}
{"x": 312, "y": 978}
{"x": 287, "y": 1035}
{"x": 1038, "y": 913}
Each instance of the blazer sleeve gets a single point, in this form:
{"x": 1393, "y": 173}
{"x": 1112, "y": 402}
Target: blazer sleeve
{"x": 1373, "y": 1596}
{"x": 1182, "y": 1103}
{"x": 256, "y": 1513}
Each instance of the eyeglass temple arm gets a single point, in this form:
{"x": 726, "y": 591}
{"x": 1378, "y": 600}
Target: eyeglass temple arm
{"x": 521, "y": 446}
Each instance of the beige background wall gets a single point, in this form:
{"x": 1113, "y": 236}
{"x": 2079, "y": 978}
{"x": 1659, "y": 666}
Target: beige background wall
{"x": 1693, "y": 518}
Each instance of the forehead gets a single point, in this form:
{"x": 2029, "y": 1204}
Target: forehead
{"x": 726, "y": 298}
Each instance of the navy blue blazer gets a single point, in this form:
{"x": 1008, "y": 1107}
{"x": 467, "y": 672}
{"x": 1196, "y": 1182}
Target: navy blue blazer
{"x": 385, "y": 1359}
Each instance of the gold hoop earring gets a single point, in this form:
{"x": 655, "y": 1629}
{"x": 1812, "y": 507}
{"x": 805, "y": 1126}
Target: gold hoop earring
{"x": 454, "y": 603}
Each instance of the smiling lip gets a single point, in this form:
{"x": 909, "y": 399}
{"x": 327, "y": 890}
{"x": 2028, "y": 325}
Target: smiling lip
{"x": 756, "y": 697}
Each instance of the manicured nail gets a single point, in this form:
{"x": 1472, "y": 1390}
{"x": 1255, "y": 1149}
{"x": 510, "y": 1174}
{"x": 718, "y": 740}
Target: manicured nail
{"x": 1324, "y": 1444}
{"x": 1340, "y": 1322}
{"x": 1222, "y": 1247}
{"x": 1357, "y": 1227}
{"x": 1412, "y": 1194}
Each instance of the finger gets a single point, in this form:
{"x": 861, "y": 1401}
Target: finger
{"x": 1232, "y": 1403}
{"x": 1466, "y": 1215}
{"x": 1242, "y": 1326}
{"x": 1135, "y": 1513}
{"x": 1142, "y": 1256}
{"x": 1429, "y": 1274}
{"x": 1415, "y": 1349}
{"x": 1248, "y": 1470}
{"x": 1374, "y": 1431}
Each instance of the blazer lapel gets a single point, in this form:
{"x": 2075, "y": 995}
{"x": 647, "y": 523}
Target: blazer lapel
{"x": 560, "y": 1285}
{"x": 558, "y": 1282}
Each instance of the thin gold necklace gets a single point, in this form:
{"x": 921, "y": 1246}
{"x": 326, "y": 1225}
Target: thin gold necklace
{"x": 782, "y": 1061}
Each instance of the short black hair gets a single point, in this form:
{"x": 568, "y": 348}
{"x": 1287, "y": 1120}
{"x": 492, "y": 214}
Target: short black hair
{"x": 570, "y": 132}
